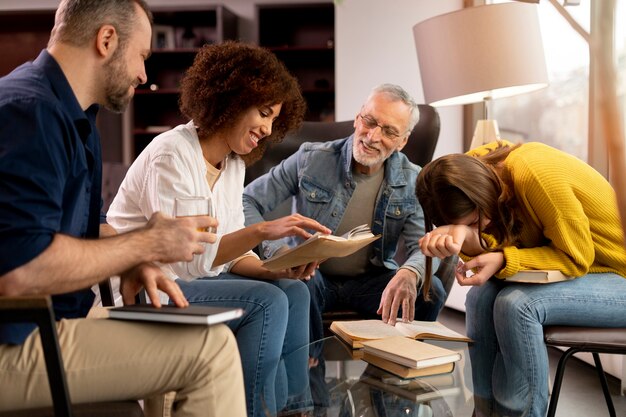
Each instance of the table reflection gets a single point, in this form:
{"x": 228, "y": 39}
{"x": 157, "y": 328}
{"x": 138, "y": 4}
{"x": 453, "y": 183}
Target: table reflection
{"x": 339, "y": 384}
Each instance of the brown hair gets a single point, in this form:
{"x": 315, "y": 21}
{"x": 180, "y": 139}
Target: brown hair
{"x": 455, "y": 185}
{"x": 227, "y": 79}
{"x": 77, "y": 22}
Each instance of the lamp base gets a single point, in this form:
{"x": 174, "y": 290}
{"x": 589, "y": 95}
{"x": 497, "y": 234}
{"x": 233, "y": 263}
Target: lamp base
{"x": 486, "y": 132}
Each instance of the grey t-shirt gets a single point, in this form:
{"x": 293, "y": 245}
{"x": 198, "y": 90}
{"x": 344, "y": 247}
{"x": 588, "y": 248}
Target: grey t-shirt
{"x": 360, "y": 210}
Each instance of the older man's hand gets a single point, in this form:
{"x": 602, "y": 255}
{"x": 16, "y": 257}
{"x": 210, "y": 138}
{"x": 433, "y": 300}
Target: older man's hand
{"x": 400, "y": 292}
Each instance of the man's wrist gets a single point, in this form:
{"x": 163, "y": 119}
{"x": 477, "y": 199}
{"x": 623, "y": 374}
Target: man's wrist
{"x": 414, "y": 273}
{"x": 146, "y": 246}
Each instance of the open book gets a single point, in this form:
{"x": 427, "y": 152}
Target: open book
{"x": 538, "y": 276}
{"x": 206, "y": 315}
{"x": 320, "y": 246}
{"x": 355, "y": 332}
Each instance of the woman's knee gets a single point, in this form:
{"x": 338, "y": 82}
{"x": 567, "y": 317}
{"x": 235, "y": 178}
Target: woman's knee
{"x": 511, "y": 303}
{"x": 264, "y": 296}
{"x": 297, "y": 293}
{"x": 480, "y": 299}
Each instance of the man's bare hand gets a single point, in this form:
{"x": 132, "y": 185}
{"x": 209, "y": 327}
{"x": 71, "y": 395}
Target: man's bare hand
{"x": 400, "y": 292}
{"x": 179, "y": 239}
{"x": 150, "y": 277}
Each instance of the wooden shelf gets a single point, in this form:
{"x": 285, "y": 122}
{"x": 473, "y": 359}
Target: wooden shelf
{"x": 23, "y": 34}
{"x": 303, "y": 37}
{"x": 155, "y": 106}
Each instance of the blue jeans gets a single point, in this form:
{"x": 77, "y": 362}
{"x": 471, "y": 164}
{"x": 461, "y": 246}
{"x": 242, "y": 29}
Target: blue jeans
{"x": 363, "y": 294}
{"x": 509, "y": 357}
{"x": 274, "y": 325}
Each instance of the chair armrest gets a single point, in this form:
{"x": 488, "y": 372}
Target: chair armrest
{"x": 38, "y": 310}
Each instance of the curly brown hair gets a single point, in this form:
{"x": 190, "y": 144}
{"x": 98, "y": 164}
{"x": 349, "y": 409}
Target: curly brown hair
{"x": 227, "y": 79}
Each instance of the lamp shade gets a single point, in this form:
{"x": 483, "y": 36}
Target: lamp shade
{"x": 489, "y": 51}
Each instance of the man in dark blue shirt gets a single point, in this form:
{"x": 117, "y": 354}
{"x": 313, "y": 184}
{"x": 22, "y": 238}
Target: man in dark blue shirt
{"x": 52, "y": 242}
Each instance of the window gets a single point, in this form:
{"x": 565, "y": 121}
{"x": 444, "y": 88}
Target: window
{"x": 556, "y": 115}
{"x": 620, "y": 55}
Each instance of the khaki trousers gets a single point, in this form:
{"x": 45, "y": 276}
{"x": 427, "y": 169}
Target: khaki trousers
{"x": 107, "y": 360}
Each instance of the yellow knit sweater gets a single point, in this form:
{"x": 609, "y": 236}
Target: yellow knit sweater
{"x": 570, "y": 215}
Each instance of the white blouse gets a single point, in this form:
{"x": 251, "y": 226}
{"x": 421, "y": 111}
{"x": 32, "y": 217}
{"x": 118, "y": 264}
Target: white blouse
{"x": 172, "y": 165}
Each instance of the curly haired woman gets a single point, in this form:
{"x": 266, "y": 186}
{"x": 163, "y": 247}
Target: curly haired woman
{"x": 506, "y": 208}
{"x": 239, "y": 98}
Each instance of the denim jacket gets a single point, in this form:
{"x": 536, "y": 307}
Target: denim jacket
{"x": 319, "y": 178}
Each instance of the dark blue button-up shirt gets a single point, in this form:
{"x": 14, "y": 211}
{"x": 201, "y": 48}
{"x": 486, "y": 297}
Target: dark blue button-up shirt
{"x": 50, "y": 174}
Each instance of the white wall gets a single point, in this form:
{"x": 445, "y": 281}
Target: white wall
{"x": 374, "y": 44}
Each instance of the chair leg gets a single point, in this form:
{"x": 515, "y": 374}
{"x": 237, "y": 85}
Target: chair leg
{"x": 558, "y": 379}
{"x": 604, "y": 383}
{"x": 54, "y": 366}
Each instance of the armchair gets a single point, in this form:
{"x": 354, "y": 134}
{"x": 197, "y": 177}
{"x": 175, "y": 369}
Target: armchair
{"x": 419, "y": 149}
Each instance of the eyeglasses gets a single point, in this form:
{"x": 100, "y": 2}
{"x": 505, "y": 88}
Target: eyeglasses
{"x": 388, "y": 132}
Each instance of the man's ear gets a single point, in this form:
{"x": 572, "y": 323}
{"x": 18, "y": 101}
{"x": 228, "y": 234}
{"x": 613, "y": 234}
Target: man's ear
{"x": 402, "y": 143}
{"x": 107, "y": 41}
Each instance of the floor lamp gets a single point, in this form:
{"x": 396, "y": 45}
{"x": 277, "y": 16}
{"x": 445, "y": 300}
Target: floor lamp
{"x": 481, "y": 53}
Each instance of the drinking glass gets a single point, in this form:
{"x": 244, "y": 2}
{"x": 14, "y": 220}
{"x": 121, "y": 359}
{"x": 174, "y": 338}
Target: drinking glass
{"x": 194, "y": 206}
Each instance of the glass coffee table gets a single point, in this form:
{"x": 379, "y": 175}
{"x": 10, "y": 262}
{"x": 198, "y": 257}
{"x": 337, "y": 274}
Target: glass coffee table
{"x": 340, "y": 384}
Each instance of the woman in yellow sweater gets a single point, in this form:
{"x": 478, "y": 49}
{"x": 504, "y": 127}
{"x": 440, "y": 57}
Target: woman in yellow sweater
{"x": 506, "y": 208}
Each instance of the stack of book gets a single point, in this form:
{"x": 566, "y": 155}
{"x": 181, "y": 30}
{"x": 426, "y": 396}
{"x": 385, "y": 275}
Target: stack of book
{"x": 395, "y": 348}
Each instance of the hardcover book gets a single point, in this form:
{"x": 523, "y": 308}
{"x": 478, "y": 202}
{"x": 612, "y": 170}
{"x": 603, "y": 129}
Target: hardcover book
{"x": 538, "y": 276}
{"x": 410, "y": 353}
{"x": 417, "y": 390}
{"x": 320, "y": 246}
{"x": 355, "y": 332}
{"x": 192, "y": 314}
{"x": 405, "y": 372}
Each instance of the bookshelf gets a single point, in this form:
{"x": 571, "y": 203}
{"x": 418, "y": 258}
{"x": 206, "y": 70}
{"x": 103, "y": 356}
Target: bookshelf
{"x": 303, "y": 37}
{"x": 23, "y": 35}
{"x": 178, "y": 33}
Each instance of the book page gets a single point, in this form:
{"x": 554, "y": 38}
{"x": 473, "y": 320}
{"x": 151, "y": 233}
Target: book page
{"x": 369, "y": 329}
{"x": 358, "y": 232}
{"x": 418, "y": 328}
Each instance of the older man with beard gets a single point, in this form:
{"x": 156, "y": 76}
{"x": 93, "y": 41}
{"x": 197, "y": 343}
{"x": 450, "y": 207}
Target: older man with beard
{"x": 344, "y": 183}
{"x": 52, "y": 242}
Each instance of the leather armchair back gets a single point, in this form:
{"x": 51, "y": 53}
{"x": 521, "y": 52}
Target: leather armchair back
{"x": 419, "y": 149}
